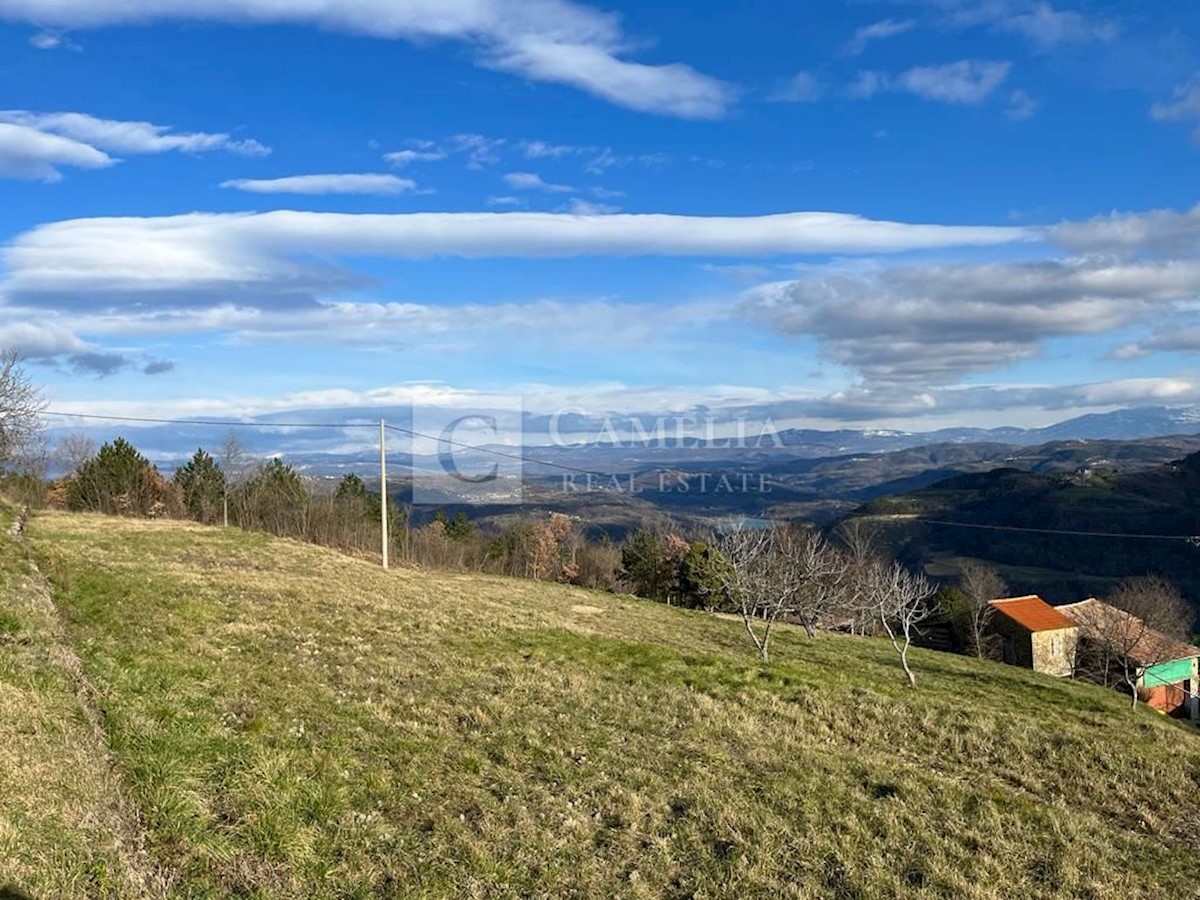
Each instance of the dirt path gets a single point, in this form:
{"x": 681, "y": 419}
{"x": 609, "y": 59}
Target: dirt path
{"x": 117, "y": 815}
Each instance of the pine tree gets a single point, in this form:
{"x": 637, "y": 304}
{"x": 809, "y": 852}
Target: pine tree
{"x": 119, "y": 480}
{"x": 203, "y": 485}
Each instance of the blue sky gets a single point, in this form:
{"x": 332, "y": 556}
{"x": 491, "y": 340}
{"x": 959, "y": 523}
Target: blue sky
{"x": 895, "y": 214}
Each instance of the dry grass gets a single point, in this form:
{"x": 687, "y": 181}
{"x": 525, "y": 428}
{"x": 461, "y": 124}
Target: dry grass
{"x": 295, "y": 723}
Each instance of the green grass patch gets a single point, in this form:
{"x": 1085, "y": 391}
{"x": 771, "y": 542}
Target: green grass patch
{"x": 60, "y": 826}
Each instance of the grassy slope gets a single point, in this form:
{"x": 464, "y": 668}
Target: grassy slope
{"x": 63, "y": 831}
{"x": 295, "y": 723}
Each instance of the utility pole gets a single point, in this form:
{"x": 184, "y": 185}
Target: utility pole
{"x": 383, "y": 494}
{"x": 225, "y": 504}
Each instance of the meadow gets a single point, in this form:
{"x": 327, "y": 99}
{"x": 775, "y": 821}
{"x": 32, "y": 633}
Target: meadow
{"x": 206, "y": 712}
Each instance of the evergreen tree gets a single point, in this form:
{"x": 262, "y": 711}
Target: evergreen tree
{"x": 353, "y": 492}
{"x": 458, "y": 528}
{"x": 702, "y": 574}
{"x": 203, "y": 485}
{"x": 646, "y": 565}
{"x": 119, "y": 480}
{"x": 277, "y": 499}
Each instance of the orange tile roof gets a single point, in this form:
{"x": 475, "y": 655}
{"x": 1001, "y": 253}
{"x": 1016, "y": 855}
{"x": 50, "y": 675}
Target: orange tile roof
{"x": 1032, "y": 613}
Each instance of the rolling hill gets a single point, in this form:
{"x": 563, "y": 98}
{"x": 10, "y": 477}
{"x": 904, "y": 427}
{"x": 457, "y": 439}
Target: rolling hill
{"x": 818, "y": 489}
{"x": 199, "y": 712}
{"x": 1161, "y": 501}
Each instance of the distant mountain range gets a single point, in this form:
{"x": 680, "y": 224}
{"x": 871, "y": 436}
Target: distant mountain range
{"x": 1121, "y": 425}
{"x": 331, "y": 451}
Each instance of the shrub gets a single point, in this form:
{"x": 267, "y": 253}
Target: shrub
{"x": 275, "y": 499}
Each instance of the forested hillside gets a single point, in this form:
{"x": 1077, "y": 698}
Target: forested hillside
{"x": 1163, "y": 502}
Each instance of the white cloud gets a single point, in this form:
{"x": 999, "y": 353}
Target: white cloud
{"x": 48, "y": 40}
{"x": 40, "y": 340}
{"x": 904, "y": 406}
{"x": 543, "y": 150}
{"x": 1040, "y": 23}
{"x": 587, "y": 404}
{"x": 1164, "y": 231}
{"x": 128, "y": 137}
{"x": 935, "y": 324}
{"x": 28, "y": 153}
{"x": 1021, "y": 106}
{"x": 1046, "y": 26}
{"x": 610, "y": 159}
{"x": 325, "y": 184}
{"x": 803, "y": 87}
{"x": 876, "y": 31}
{"x": 1177, "y": 339}
{"x": 402, "y": 158}
{"x": 967, "y": 81}
{"x": 673, "y": 89}
{"x": 579, "y": 207}
{"x": 545, "y": 40}
{"x": 867, "y": 84}
{"x": 274, "y": 255}
{"x": 1184, "y": 106}
{"x": 605, "y": 193}
{"x": 379, "y": 325}
{"x": 528, "y": 181}
{"x": 480, "y": 151}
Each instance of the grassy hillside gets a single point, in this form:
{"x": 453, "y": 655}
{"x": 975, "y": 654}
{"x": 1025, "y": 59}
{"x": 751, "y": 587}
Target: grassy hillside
{"x": 289, "y": 722}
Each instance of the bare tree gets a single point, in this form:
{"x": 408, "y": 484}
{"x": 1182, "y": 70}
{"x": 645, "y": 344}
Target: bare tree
{"x": 775, "y": 573}
{"x": 748, "y": 583}
{"x": 1158, "y": 603}
{"x": 31, "y": 465}
{"x": 860, "y": 560}
{"x": 21, "y": 406}
{"x": 807, "y": 569}
{"x": 1143, "y": 624}
{"x": 73, "y": 450}
{"x": 902, "y": 601}
{"x": 980, "y": 585}
{"x": 237, "y": 464}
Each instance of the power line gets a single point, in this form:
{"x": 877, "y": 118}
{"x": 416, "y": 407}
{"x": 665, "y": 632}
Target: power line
{"x": 514, "y": 456}
{"x": 1190, "y": 538}
{"x": 416, "y": 434}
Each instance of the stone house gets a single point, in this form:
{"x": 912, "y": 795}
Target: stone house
{"x": 1035, "y": 635}
{"x": 1168, "y": 670}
